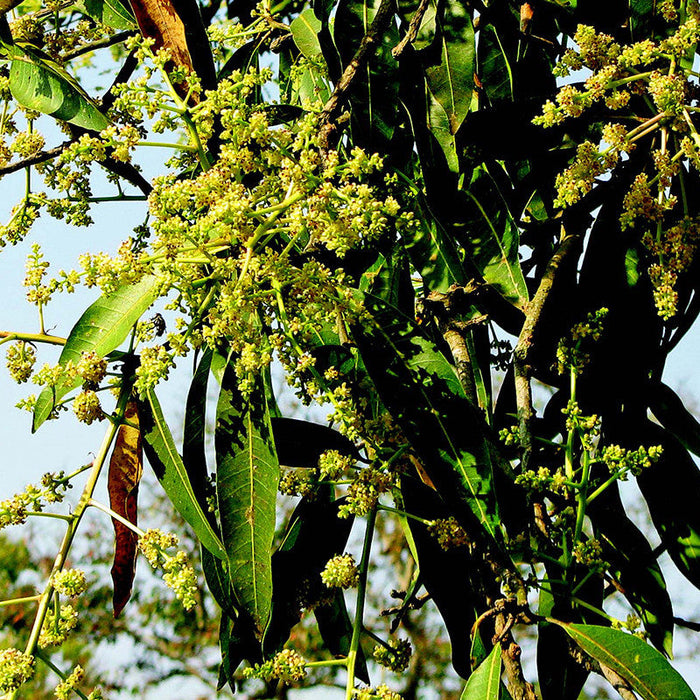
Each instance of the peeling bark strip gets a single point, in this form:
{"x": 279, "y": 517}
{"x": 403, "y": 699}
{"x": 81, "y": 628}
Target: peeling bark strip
{"x": 125, "y": 470}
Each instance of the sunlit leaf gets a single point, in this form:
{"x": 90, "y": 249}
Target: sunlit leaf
{"x": 247, "y": 476}
{"x": 172, "y": 474}
{"x": 111, "y": 13}
{"x": 102, "y": 328}
{"x": 485, "y": 682}
{"x": 451, "y": 80}
{"x": 644, "y": 668}
{"x": 305, "y": 29}
{"x": 37, "y": 82}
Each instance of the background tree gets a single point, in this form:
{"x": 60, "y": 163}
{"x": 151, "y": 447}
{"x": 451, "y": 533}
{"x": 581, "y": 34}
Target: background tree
{"x": 375, "y": 197}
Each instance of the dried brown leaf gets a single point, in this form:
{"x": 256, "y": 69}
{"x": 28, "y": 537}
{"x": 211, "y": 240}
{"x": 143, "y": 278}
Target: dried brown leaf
{"x": 125, "y": 469}
{"x": 158, "y": 19}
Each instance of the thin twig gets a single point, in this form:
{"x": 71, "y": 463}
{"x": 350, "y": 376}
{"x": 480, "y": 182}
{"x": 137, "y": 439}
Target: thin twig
{"x": 40, "y": 157}
{"x": 413, "y": 28}
{"x": 688, "y": 624}
{"x": 521, "y": 354}
{"x": 100, "y": 44}
{"x": 368, "y": 46}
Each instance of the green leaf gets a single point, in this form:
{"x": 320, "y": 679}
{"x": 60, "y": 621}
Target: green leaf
{"x": 671, "y": 488}
{"x": 170, "y": 470}
{"x": 494, "y": 65}
{"x": 315, "y": 534}
{"x": 102, "y": 328}
{"x": 670, "y": 411}
{"x": 193, "y": 444}
{"x": 633, "y": 563}
{"x": 218, "y": 582}
{"x": 111, "y": 13}
{"x": 441, "y": 128}
{"x": 246, "y": 484}
{"x": 434, "y": 253}
{"x": 375, "y": 88}
{"x": 485, "y": 682}
{"x": 444, "y": 571}
{"x": 420, "y": 389}
{"x": 451, "y": 81}
{"x": 39, "y": 83}
{"x": 492, "y": 238}
{"x": 300, "y": 443}
{"x": 644, "y": 668}
{"x": 305, "y": 29}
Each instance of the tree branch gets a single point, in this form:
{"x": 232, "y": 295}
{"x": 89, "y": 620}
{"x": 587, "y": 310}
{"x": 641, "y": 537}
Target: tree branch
{"x": 521, "y": 354}
{"x": 367, "y": 47}
{"x": 100, "y": 44}
{"x": 40, "y": 157}
{"x": 511, "y": 652}
{"x": 413, "y": 28}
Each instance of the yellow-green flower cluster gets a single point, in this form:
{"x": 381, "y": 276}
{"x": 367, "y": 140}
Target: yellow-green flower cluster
{"x": 449, "y": 533}
{"x": 573, "y": 351}
{"x": 69, "y": 582}
{"x": 542, "y": 479}
{"x": 395, "y": 656}
{"x": 298, "y": 482}
{"x": 657, "y": 71}
{"x": 20, "y": 360}
{"x": 340, "y": 572}
{"x": 381, "y": 692}
{"x": 58, "y": 625}
{"x": 332, "y": 465}
{"x": 64, "y": 690}
{"x": 87, "y": 407}
{"x": 364, "y": 491}
{"x": 15, "y": 510}
{"x": 15, "y": 668}
{"x": 178, "y": 574}
{"x": 621, "y": 461}
{"x": 287, "y": 666}
{"x": 590, "y": 554}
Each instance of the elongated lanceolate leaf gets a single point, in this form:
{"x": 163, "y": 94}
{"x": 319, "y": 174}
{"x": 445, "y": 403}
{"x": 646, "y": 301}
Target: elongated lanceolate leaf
{"x": 669, "y": 409}
{"x": 644, "y": 668}
{"x": 305, "y": 29}
{"x": 170, "y": 470}
{"x": 193, "y": 443}
{"x": 111, "y": 13}
{"x": 335, "y": 628}
{"x": 315, "y": 534}
{"x": 451, "y": 81}
{"x": 101, "y": 329}
{"x": 434, "y": 254}
{"x": 634, "y": 564}
{"x": 420, "y": 389}
{"x": 491, "y": 235}
{"x": 485, "y": 682}
{"x": 39, "y": 83}
{"x": 300, "y": 443}
{"x": 247, "y": 476}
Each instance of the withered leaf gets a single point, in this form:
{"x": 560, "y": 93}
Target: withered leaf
{"x": 125, "y": 469}
{"x": 158, "y": 19}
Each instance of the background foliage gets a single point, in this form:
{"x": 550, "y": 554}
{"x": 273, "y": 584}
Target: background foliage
{"x": 417, "y": 213}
